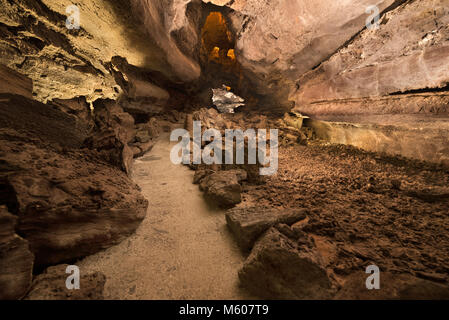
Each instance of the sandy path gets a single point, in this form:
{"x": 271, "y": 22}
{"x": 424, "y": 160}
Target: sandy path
{"x": 182, "y": 250}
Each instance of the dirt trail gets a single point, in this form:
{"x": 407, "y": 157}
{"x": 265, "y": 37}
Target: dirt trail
{"x": 182, "y": 250}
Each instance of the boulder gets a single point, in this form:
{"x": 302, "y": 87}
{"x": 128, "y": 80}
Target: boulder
{"x": 51, "y": 285}
{"x": 286, "y": 264}
{"x": 247, "y": 224}
{"x": 16, "y": 260}
{"x": 143, "y": 136}
{"x": 200, "y": 174}
{"x": 139, "y": 149}
{"x": 111, "y": 149}
{"x": 223, "y": 188}
{"x": 69, "y": 204}
{"x": 154, "y": 129}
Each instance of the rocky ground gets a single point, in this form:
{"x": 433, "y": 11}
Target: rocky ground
{"x": 310, "y": 230}
{"x": 358, "y": 208}
{"x": 328, "y": 213}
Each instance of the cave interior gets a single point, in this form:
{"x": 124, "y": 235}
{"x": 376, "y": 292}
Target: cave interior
{"x": 356, "y": 112}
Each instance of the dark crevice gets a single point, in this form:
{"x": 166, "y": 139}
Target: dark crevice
{"x": 8, "y": 196}
{"x": 423, "y": 90}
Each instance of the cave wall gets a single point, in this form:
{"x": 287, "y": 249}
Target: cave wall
{"x": 383, "y": 89}
{"x": 410, "y": 51}
{"x": 64, "y": 63}
{"x": 279, "y": 41}
{"x": 387, "y": 90}
{"x": 316, "y": 57}
{"x": 295, "y": 52}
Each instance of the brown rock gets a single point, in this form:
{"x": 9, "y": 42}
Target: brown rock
{"x": 188, "y": 124}
{"x": 223, "y": 188}
{"x": 392, "y": 286}
{"x": 16, "y": 260}
{"x": 109, "y": 115}
{"x": 200, "y": 174}
{"x": 114, "y": 129}
{"x": 69, "y": 204}
{"x": 247, "y": 224}
{"x": 154, "y": 129}
{"x": 140, "y": 149}
{"x": 143, "y": 136}
{"x": 14, "y": 82}
{"x": 111, "y": 149}
{"x": 77, "y": 107}
{"x": 285, "y": 264}
{"x": 51, "y": 285}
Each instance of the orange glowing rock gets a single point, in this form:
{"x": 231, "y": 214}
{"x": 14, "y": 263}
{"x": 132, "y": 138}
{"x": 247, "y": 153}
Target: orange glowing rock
{"x": 215, "y": 53}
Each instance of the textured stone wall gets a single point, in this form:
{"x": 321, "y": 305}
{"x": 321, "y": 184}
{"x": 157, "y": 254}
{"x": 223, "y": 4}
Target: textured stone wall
{"x": 409, "y": 51}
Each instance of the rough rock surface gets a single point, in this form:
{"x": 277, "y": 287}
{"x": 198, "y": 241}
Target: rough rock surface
{"x": 278, "y": 41}
{"x": 15, "y": 82}
{"x": 16, "y": 260}
{"x": 69, "y": 201}
{"x": 363, "y": 208}
{"x": 415, "y": 136}
{"x": 286, "y": 264}
{"x": 75, "y": 61}
{"x": 392, "y": 287}
{"x": 222, "y": 187}
{"x": 247, "y": 224}
{"x": 51, "y": 285}
{"x": 78, "y": 107}
{"x": 114, "y": 130}
{"x": 277, "y": 44}
{"x": 412, "y": 39}
{"x": 112, "y": 149}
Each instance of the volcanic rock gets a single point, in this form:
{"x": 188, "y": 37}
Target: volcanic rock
{"x": 223, "y": 188}
{"x": 15, "y": 82}
{"x": 51, "y": 285}
{"x": 392, "y": 287}
{"x": 16, "y": 260}
{"x": 69, "y": 202}
{"x": 143, "y": 136}
{"x": 114, "y": 129}
{"x": 110, "y": 148}
{"x": 286, "y": 264}
{"x": 247, "y": 224}
{"x": 77, "y": 107}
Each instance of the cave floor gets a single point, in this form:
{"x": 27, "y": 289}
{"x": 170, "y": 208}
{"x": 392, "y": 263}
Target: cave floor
{"x": 182, "y": 250}
{"x": 363, "y": 207}
{"x": 366, "y": 207}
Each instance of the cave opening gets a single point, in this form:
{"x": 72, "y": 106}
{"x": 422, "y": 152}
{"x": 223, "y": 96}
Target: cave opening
{"x": 219, "y": 63}
{"x": 217, "y": 41}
